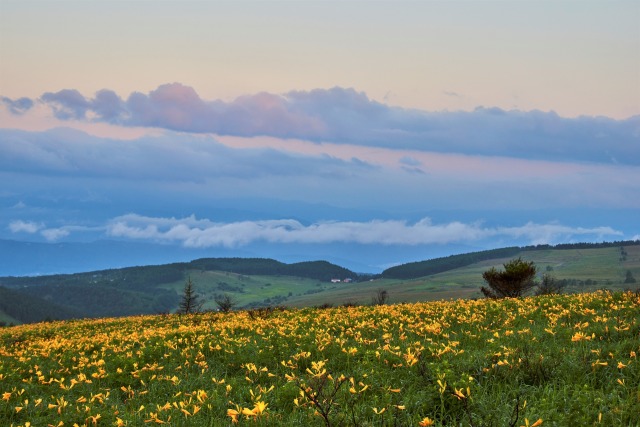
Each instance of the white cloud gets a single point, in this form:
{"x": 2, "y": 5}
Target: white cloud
{"x": 53, "y": 234}
{"x": 192, "y": 232}
{"x": 549, "y": 233}
{"x": 25, "y": 227}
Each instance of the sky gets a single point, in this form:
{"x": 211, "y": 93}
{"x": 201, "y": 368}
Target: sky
{"x": 403, "y": 129}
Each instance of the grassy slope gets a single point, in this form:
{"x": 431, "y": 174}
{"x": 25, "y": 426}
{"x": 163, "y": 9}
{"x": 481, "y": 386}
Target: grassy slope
{"x": 600, "y": 264}
{"x": 248, "y": 289}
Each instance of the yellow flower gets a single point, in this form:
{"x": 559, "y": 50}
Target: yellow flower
{"x": 379, "y": 412}
{"x": 94, "y": 419}
{"x": 426, "y": 421}
{"x": 259, "y": 407}
{"x": 153, "y": 418}
{"x": 459, "y": 393}
{"x": 579, "y": 336}
{"x": 536, "y": 424}
{"x": 233, "y": 414}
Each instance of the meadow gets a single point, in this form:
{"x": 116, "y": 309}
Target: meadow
{"x": 548, "y": 360}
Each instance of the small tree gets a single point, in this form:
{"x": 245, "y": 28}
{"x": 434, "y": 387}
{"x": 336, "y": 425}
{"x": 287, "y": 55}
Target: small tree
{"x": 629, "y": 277}
{"x": 190, "y": 302}
{"x": 225, "y": 302}
{"x": 516, "y": 279}
{"x": 549, "y": 286}
{"x": 381, "y": 297}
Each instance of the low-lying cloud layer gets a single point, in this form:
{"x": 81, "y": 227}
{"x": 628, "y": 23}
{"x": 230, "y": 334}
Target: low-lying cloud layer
{"x": 203, "y": 233}
{"x": 341, "y": 115}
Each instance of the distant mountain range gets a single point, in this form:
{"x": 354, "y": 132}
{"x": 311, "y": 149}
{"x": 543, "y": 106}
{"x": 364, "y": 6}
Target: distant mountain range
{"x": 21, "y": 258}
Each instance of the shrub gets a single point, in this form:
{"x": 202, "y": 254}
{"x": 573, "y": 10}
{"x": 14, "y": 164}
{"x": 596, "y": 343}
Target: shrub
{"x": 225, "y": 302}
{"x": 516, "y": 279}
{"x": 549, "y": 286}
{"x": 381, "y": 297}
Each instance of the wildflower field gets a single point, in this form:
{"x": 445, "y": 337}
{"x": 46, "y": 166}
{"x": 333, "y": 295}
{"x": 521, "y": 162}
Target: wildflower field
{"x": 549, "y": 360}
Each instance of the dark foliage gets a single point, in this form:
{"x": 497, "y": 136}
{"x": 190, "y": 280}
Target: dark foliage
{"x": 319, "y": 270}
{"x": 190, "y": 302}
{"x": 515, "y": 280}
{"x": 29, "y": 308}
{"x": 381, "y": 297}
{"x": 225, "y": 302}
{"x": 103, "y": 301}
{"x": 549, "y": 286}
{"x": 595, "y": 245}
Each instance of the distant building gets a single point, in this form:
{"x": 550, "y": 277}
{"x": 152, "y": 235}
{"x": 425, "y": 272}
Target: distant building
{"x": 347, "y": 280}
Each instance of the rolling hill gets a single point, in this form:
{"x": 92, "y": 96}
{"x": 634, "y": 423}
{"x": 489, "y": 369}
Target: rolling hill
{"x": 259, "y": 282}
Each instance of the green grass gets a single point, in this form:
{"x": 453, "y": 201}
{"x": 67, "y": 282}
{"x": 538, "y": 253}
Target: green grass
{"x": 565, "y": 360}
{"x": 250, "y": 290}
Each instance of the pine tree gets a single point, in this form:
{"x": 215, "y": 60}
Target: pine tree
{"x": 190, "y": 300}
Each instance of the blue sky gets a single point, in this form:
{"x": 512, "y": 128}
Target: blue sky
{"x": 265, "y": 125}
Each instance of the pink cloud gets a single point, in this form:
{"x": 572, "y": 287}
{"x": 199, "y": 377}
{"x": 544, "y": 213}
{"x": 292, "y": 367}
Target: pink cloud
{"x": 345, "y": 116}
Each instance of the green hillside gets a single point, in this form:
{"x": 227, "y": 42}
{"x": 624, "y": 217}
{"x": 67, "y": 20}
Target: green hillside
{"x": 259, "y": 282}
{"x": 438, "y": 265}
{"x": 582, "y": 268}
{"x": 157, "y": 289}
{"x": 19, "y": 307}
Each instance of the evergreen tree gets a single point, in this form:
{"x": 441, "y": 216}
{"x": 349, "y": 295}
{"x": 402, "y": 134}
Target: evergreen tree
{"x": 190, "y": 302}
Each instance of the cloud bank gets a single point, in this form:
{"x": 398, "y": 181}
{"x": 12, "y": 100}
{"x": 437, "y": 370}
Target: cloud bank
{"x": 199, "y": 233}
{"x": 204, "y": 233}
{"x": 340, "y": 115}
